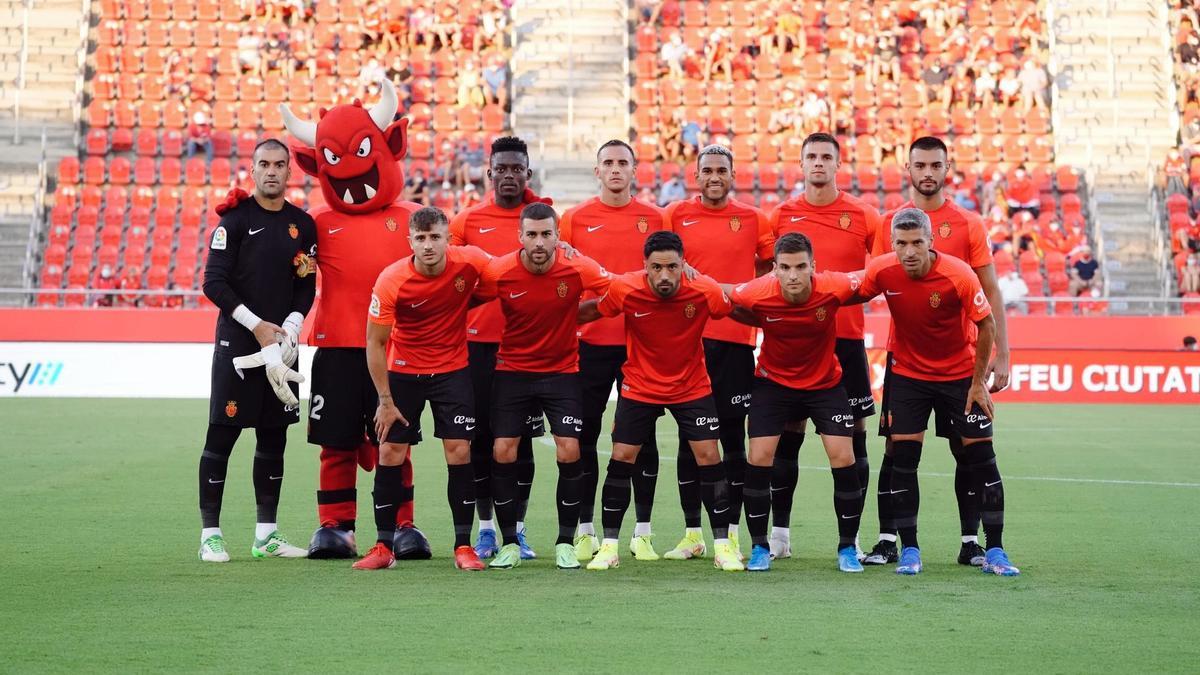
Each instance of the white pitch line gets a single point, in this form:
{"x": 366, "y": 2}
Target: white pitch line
{"x": 1048, "y": 479}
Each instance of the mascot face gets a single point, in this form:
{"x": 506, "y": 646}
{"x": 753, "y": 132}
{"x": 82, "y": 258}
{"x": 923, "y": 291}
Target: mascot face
{"x": 354, "y": 152}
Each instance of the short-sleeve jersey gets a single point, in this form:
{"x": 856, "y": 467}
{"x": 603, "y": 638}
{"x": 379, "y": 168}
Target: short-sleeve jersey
{"x": 843, "y": 233}
{"x": 427, "y": 315}
{"x": 540, "y": 310}
{"x": 612, "y": 236}
{"x": 798, "y": 339}
{"x": 933, "y": 318}
{"x": 664, "y": 340}
{"x": 723, "y": 243}
{"x": 956, "y": 231}
{"x": 496, "y": 230}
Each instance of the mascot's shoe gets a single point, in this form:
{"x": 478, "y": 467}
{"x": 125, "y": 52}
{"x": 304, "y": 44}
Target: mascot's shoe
{"x": 332, "y": 542}
{"x": 409, "y": 543}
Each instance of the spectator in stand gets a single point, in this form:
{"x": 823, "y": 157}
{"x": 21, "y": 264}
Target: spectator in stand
{"x": 985, "y": 85}
{"x": 131, "y": 281}
{"x": 815, "y": 114}
{"x": 416, "y": 188}
{"x": 1055, "y": 239}
{"x": 672, "y": 53}
{"x": 495, "y": 79}
{"x": 718, "y": 55}
{"x": 935, "y": 78}
{"x": 1013, "y": 289}
{"x": 1176, "y": 171}
{"x": 1034, "y": 83}
{"x": 674, "y": 190}
{"x": 402, "y": 77}
{"x": 1188, "y": 238}
{"x": 199, "y": 136}
{"x": 371, "y": 74}
{"x": 1190, "y": 344}
{"x": 1189, "y": 276}
{"x": 647, "y": 11}
{"x": 470, "y": 197}
{"x": 106, "y": 284}
{"x": 470, "y": 86}
{"x": 445, "y": 199}
{"x": 1022, "y": 194}
{"x": 471, "y": 169}
{"x": 1083, "y": 272}
{"x": 1190, "y": 133}
{"x": 248, "y": 46}
{"x": 1009, "y": 87}
{"x": 786, "y": 115}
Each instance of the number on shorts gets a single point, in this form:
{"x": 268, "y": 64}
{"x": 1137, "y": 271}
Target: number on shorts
{"x": 318, "y": 402}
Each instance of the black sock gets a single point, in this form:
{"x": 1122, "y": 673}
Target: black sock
{"x": 964, "y": 490}
{"x": 785, "y": 474}
{"x": 986, "y": 474}
{"x": 567, "y": 497}
{"x": 883, "y": 496}
{"x": 460, "y": 492}
{"x": 481, "y": 465}
{"x": 504, "y": 492}
{"x": 389, "y": 483}
{"x": 714, "y": 491}
{"x": 861, "y": 463}
{"x": 757, "y": 495}
{"x": 689, "y": 486}
{"x": 615, "y": 498}
{"x": 268, "y": 471}
{"x": 214, "y": 464}
{"x": 589, "y": 480}
{"x": 735, "y": 472}
{"x": 906, "y": 495}
{"x": 847, "y": 504}
{"x": 645, "y": 479}
{"x": 525, "y": 470}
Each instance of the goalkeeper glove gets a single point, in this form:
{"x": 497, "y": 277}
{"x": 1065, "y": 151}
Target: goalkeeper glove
{"x": 279, "y": 375}
{"x": 291, "y": 341}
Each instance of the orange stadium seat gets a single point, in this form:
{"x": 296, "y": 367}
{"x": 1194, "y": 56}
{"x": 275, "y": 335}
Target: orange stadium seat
{"x": 93, "y": 170}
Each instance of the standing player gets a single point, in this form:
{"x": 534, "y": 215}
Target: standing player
{"x": 798, "y": 378}
{"x": 537, "y": 369}
{"x": 724, "y": 239}
{"x": 608, "y": 228}
{"x": 959, "y": 233}
{"x": 843, "y": 230}
{"x": 941, "y": 344}
{"x": 489, "y": 225}
{"x": 260, "y": 273}
{"x": 665, "y": 316}
{"x": 417, "y": 352}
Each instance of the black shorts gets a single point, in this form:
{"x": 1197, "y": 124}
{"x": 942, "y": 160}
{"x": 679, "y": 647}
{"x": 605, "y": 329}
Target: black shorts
{"x": 515, "y": 394}
{"x": 599, "y": 368}
{"x": 731, "y": 370}
{"x": 941, "y": 424}
{"x": 774, "y": 405}
{"x": 247, "y": 401}
{"x": 481, "y": 361}
{"x": 634, "y": 422}
{"x": 342, "y": 400}
{"x": 909, "y": 402}
{"x": 449, "y": 394}
{"x": 856, "y": 376}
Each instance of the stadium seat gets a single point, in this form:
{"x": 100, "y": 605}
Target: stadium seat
{"x": 68, "y": 170}
{"x": 96, "y": 142}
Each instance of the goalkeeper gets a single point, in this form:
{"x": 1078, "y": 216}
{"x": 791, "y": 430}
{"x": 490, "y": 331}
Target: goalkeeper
{"x": 261, "y": 273}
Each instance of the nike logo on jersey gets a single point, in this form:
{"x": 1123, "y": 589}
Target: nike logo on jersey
{"x": 418, "y": 304}
{"x": 796, "y": 219}
{"x": 689, "y": 223}
{"x": 514, "y": 296}
{"x": 773, "y": 320}
{"x": 485, "y": 230}
{"x": 638, "y": 315}
{"x": 335, "y": 230}
{"x": 594, "y": 228}
{"x": 254, "y": 232}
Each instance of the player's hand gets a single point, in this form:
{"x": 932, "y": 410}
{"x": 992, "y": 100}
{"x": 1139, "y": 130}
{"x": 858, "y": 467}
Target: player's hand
{"x": 690, "y": 272}
{"x": 386, "y": 415}
{"x": 268, "y": 334}
{"x": 978, "y": 395}
{"x": 568, "y": 251}
{"x": 999, "y": 369}
{"x": 235, "y": 196}
{"x": 290, "y": 342}
{"x": 279, "y": 376}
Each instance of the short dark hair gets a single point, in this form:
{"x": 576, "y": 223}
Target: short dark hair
{"x": 662, "y": 241}
{"x": 822, "y": 137}
{"x": 539, "y": 211}
{"x": 929, "y": 143}
{"x": 616, "y": 141}
{"x": 273, "y": 143}
{"x": 793, "y": 242}
{"x": 510, "y": 144}
{"x": 423, "y": 219}
{"x": 715, "y": 149}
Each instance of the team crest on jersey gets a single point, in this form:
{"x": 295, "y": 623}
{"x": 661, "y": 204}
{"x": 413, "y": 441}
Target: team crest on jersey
{"x": 735, "y": 223}
{"x": 304, "y": 264}
{"x": 821, "y": 314}
{"x": 231, "y": 409}
{"x": 944, "y": 230}
{"x": 460, "y": 284}
{"x": 690, "y": 310}
{"x": 293, "y": 230}
{"x": 562, "y": 289}
{"x": 643, "y": 225}
{"x": 220, "y": 239}
{"x": 390, "y": 224}
{"x": 844, "y": 221}
{"x": 935, "y": 299}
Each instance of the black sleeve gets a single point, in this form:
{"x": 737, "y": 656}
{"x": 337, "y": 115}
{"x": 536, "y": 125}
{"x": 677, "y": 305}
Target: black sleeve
{"x": 304, "y": 289}
{"x": 222, "y": 263}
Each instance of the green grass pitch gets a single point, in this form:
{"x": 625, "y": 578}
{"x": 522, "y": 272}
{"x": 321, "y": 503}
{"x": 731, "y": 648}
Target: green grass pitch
{"x": 100, "y": 570}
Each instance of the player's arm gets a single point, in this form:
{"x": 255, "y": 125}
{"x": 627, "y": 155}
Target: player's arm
{"x": 379, "y": 329}
{"x": 1000, "y": 365}
{"x": 742, "y": 304}
{"x": 218, "y": 270}
{"x": 742, "y": 315}
{"x": 610, "y": 304}
{"x": 848, "y": 285}
{"x": 978, "y": 392}
{"x": 588, "y": 311}
{"x": 765, "y": 246}
{"x": 868, "y": 287}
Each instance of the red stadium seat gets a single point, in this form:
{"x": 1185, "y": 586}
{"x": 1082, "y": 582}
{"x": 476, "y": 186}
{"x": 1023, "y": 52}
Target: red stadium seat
{"x": 197, "y": 173}
{"x": 94, "y": 170}
{"x": 68, "y": 170}
{"x": 96, "y": 142}
{"x": 1066, "y": 179}
{"x": 91, "y": 195}
{"x": 768, "y": 176}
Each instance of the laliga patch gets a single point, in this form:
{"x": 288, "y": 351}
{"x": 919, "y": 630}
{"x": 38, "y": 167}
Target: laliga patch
{"x": 373, "y": 310}
{"x": 220, "y": 239}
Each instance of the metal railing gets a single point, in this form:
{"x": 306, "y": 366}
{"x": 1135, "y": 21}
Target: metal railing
{"x": 81, "y": 71}
{"x": 22, "y": 65}
{"x": 37, "y": 220}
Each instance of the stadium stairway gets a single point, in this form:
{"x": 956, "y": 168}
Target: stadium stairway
{"x": 1115, "y": 114}
{"x": 571, "y": 92}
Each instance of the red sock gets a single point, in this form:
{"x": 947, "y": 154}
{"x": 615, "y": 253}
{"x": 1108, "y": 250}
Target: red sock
{"x": 404, "y": 515}
{"x": 368, "y": 455}
{"x": 337, "y": 498}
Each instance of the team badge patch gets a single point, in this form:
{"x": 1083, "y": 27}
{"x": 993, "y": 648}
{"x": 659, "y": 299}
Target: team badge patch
{"x": 293, "y": 230}
{"x": 821, "y": 314}
{"x": 690, "y": 310}
{"x": 935, "y": 299}
{"x": 390, "y": 224}
{"x": 304, "y": 264}
{"x": 735, "y": 223}
{"x": 373, "y": 310}
{"x": 944, "y": 230}
{"x": 220, "y": 239}
{"x": 231, "y": 409}
{"x": 460, "y": 284}
{"x": 562, "y": 289}
{"x": 643, "y": 225}
{"x": 844, "y": 221}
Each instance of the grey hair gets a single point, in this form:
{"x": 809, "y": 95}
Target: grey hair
{"x": 715, "y": 150}
{"x": 911, "y": 219}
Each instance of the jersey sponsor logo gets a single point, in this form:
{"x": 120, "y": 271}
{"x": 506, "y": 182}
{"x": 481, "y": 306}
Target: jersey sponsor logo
{"x": 293, "y": 230}
{"x": 690, "y": 310}
{"x": 231, "y": 409}
{"x": 514, "y": 296}
{"x": 944, "y": 230}
{"x": 220, "y": 239}
{"x": 844, "y": 221}
{"x": 643, "y": 225}
{"x": 254, "y": 232}
{"x": 735, "y": 223}
{"x": 373, "y": 310}
{"x": 562, "y": 289}
{"x": 689, "y": 223}
{"x": 485, "y": 230}
{"x": 460, "y": 284}
{"x": 821, "y": 314}
{"x": 593, "y": 228}
{"x": 935, "y": 299}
